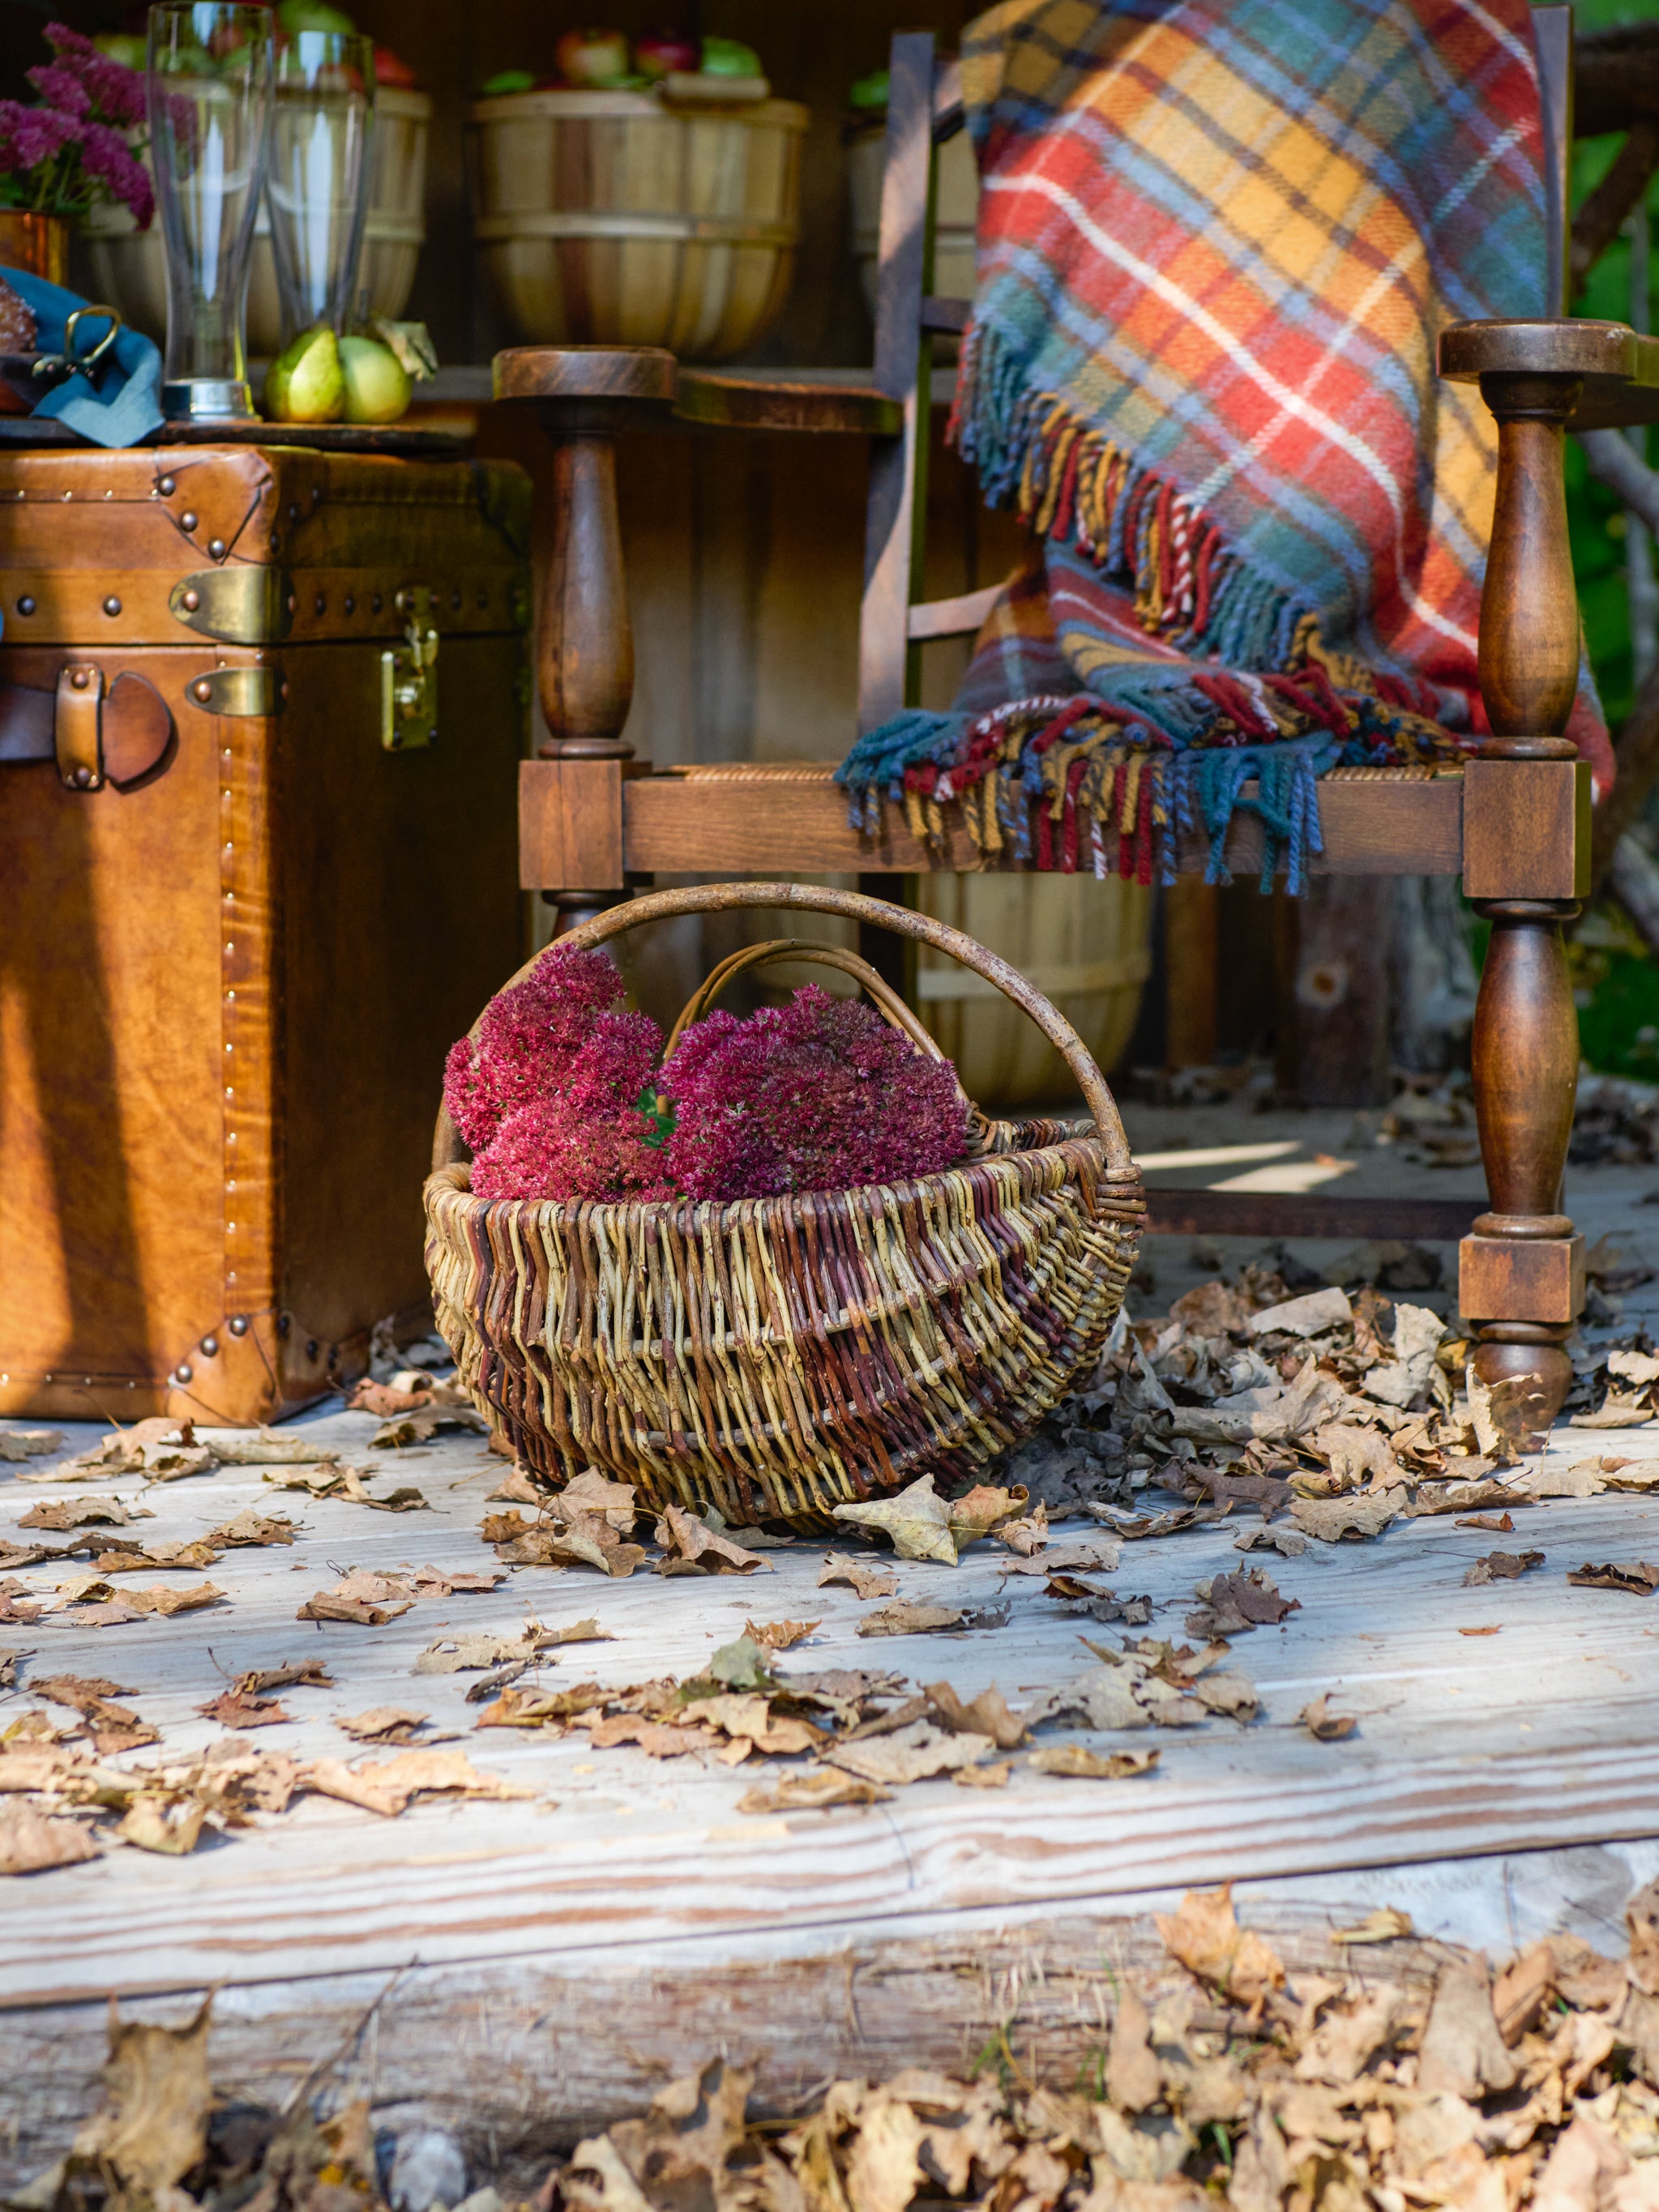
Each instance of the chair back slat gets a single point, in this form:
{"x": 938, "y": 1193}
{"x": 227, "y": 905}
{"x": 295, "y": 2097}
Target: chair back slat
{"x": 903, "y": 360}
{"x": 1553, "y": 38}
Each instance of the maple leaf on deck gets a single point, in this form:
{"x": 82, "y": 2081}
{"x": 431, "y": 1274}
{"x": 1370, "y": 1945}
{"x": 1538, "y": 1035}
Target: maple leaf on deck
{"x": 1078, "y": 1760}
{"x": 866, "y": 1581}
{"x": 779, "y": 1635}
{"x": 1321, "y": 1722}
{"x": 64, "y": 1513}
{"x": 1503, "y": 1566}
{"x": 690, "y": 1546}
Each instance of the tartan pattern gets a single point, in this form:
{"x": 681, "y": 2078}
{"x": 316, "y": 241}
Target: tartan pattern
{"x": 1219, "y": 239}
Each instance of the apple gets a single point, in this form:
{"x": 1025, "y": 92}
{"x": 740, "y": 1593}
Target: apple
{"x": 729, "y": 58}
{"x": 294, "y": 16}
{"x": 659, "y": 53}
{"x": 592, "y": 58}
{"x": 505, "y": 80}
{"x": 389, "y": 69}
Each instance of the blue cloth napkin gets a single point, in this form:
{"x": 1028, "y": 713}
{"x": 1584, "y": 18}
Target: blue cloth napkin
{"x": 120, "y": 404}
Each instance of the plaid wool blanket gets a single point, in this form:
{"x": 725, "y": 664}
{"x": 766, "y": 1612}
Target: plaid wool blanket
{"x": 1219, "y": 239}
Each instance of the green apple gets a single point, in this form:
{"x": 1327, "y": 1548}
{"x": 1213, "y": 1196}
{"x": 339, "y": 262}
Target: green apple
{"x": 304, "y": 384}
{"x": 377, "y": 386}
{"x": 297, "y": 15}
{"x": 729, "y": 58}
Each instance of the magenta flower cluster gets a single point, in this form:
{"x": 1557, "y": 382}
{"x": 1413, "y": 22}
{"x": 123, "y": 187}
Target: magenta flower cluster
{"x": 74, "y": 147}
{"x": 557, "y": 1097}
{"x": 547, "y": 1095}
{"x": 818, "y": 1094}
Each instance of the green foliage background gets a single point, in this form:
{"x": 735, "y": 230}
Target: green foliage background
{"x": 1617, "y": 980}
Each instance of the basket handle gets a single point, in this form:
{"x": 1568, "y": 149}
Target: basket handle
{"x": 854, "y": 906}
{"x": 887, "y": 1000}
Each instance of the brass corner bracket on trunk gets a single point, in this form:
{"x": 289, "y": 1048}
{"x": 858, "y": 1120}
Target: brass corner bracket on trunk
{"x": 247, "y": 605}
{"x": 254, "y": 692}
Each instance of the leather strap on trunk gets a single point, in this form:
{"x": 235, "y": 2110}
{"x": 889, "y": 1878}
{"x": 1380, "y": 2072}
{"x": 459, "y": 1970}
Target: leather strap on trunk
{"x": 120, "y": 736}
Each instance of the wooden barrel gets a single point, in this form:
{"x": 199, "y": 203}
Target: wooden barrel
{"x": 1087, "y": 945}
{"x": 129, "y": 265}
{"x": 611, "y": 218}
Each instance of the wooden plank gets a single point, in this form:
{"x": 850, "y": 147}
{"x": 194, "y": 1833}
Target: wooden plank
{"x": 521, "y": 2056}
{"x": 1178, "y": 1213}
{"x": 958, "y": 617}
{"x": 794, "y": 818}
{"x": 1464, "y": 1749}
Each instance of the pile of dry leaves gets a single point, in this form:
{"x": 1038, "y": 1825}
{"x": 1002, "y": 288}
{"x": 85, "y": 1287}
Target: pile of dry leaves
{"x": 1344, "y": 1413}
{"x": 1222, "y": 2082}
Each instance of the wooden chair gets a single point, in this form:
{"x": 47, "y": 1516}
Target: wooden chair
{"x": 1514, "y": 823}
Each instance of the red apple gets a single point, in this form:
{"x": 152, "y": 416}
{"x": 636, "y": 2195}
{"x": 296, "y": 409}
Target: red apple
{"x": 658, "y": 53}
{"x": 389, "y": 70}
{"x": 590, "y": 58}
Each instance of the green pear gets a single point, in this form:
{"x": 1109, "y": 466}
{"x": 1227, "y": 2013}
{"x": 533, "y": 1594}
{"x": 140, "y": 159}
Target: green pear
{"x": 304, "y": 384}
{"x": 377, "y": 384}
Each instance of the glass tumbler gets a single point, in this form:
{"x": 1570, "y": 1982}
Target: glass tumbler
{"x": 317, "y": 185}
{"x": 209, "y": 94}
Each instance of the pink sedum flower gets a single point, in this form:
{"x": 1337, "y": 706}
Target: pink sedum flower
{"x": 819, "y": 1095}
{"x": 547, "y": 1094}
{"x": 545, "y": 1151}
{"x": 29, "y": 136}
{"x": 106, "y": 154}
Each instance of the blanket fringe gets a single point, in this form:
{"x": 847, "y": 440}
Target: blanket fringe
{"x": 1075, "y": 486}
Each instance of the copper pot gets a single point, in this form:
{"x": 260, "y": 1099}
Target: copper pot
{"x": 38, "y": 243}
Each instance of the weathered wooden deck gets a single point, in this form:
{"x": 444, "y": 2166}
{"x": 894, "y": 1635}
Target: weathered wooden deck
{"x": 557, "y": 1954}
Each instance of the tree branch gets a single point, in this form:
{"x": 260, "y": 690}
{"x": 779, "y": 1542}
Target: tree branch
{"x": 1614, "y": 462}
{"x": 1633, "y": 880}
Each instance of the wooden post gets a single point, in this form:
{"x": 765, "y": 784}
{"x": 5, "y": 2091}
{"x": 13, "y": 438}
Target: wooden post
{"x": 583, "y": 395}
{"x": 1526, "y": 858}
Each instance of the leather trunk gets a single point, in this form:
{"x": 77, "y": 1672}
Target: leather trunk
{"x": 251, "y": 886}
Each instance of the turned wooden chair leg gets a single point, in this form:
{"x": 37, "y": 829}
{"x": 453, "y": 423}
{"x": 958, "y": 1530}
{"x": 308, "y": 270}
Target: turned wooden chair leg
{"x": 1526, "y": 855}
{"x": 571, "y": 824}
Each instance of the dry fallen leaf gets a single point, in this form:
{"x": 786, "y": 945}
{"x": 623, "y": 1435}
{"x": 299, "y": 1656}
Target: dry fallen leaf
{"x": 1206, "y": 1939}
{"x": 236, "y": 1710}
{"x": 1331, "y": 1519}
{"x": 516, "y": 1489}
{"x": 384, "y": 1724}
{"x": 252, "y": 1528}
{"x": 989, "y": 1715}
{"x": 1637, "y": 1577}
{"x": 386, "y": 1786}
{"x": 909, "y": 1755}
{"x": 866, "y": 1581}
{"x": 31, "y": 1841}
{"x": 171, "y": 1825}
{"x": 1232, "y": 1604}
{"x": 994, "y": 1775}
{"x": 19, "y": 1444}
{"x": 1384, "y": 1923}
{"x": 1496, "y": 1524}
{"x": 154, "y": 2128}
{"x": 906, "y": 1617}
{"x": 779, "y": 1635}
{"x": 1320, "y": 1722}
{"x": 918, "y": 1520}
{"x": 423, "y": 1423}
{"x": 369, "y": 1600}
{"x": 1503, "y": 1566}
{"x": 1076, "y": 1759}
{"x": 690, "y": 1546}
{"x": 816, "y": 1791}
{"x": 103, "y": 1603}
{"x": 64, "y": 1513}
{"x": 1492, "y": 1628}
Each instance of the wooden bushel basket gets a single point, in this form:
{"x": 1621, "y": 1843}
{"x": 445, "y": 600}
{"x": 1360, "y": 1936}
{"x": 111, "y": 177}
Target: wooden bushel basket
{"x": 616, "y": 218}
{"x": 778, "y": 1357}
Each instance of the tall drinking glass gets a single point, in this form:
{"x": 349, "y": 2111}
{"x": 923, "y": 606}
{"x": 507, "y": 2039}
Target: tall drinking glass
{"x": 208, "y": 88}
{"x": 317, "y": 182}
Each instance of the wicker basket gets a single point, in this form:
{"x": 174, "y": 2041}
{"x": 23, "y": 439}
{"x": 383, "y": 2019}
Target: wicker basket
{"x": 612, "y": 218}
{"x": 778, "y": 1357}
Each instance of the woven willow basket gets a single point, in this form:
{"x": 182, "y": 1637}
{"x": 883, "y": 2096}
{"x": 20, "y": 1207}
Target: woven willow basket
{"x": 777, "y": 1357}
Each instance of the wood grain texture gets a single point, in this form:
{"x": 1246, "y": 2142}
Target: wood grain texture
{"x": 1540, "y": 1738}
{"x": 1527, "y": 828}
{"x": 584, "y": 638}
{"x": 800, "y": 402}
{"x": 791, "y": 816}
{"x": 584, "y": 372}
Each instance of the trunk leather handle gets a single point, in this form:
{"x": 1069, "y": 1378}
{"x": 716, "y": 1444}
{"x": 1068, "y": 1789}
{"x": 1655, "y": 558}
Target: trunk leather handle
{"x": 76, "y": 735}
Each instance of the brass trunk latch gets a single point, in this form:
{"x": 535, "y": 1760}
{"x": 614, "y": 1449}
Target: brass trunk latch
{"x": 409, "y": 675}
